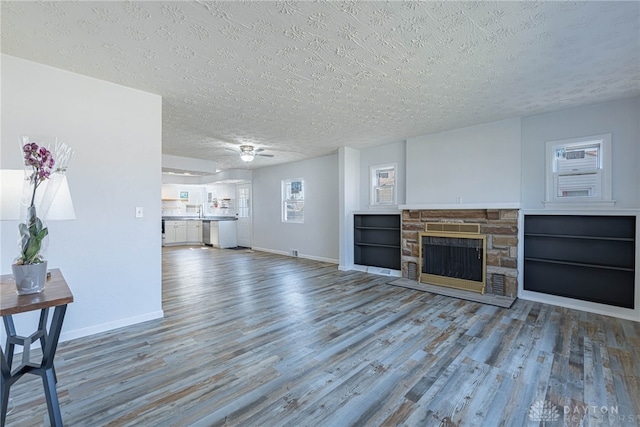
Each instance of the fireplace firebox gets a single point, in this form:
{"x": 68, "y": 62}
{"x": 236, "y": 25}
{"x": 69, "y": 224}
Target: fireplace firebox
{"x": 453, "y": 255}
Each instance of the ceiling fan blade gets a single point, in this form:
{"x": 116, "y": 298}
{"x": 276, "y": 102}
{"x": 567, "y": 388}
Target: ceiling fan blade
{"x": 231, "y": 149}
{"x": 258, "y": 150}
{"x": 265, "y": 155}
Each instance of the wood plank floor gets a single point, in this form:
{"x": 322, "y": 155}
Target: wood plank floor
{"x": 256, "y": 339}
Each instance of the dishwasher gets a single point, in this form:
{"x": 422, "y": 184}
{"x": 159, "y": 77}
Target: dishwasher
{"x": 206, "y": 232}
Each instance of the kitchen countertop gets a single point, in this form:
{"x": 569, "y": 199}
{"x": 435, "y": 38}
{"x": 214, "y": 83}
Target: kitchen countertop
{"x": 195, "y": 218}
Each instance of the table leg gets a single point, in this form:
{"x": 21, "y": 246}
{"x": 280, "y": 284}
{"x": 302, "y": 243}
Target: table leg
{"x": 5, "y": 373}
{"x": 10, "y": 328}
{"x": 47, "y": 371}
{"x": 42, "y": 328}
{"x": 51, "y": 394}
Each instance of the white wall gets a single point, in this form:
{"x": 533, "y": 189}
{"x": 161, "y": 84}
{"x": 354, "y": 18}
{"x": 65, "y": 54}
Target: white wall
{"x": 229, "y": 175}
{"x": 480, "y": 164}
{"x": 619, "y": 118}
{"x": 221, "y": 191}
{"x": 110, "y": 259}
{"x": 317, "y": 238}
{"x": 189, "y": 164}
{"x": 382, "y": 155}
{"x": 349, "y": 190}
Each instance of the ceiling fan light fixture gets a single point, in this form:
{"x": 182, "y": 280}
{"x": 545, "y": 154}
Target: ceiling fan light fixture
{"x": 247, "y": 156}
{"x": 247, "y": 153}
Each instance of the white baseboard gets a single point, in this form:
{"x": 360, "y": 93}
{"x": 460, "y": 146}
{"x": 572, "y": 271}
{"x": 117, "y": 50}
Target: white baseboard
{"x": 104, "y": 327}
{"x": 318, "y": 258}
{"x": 378, "y": 270}
{"x": 591, "y": 307}
{"x": 285, "y": 253}
{"x": 271, "y": 251}
{"x": 384, "y": 271}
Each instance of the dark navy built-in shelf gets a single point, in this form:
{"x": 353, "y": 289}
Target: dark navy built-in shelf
{"x": 377, "y": 240}
{"x": 587, "y": 257}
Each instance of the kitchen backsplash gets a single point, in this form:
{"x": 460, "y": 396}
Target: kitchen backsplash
{"x": 192, "y": 200}
{"x": 183, "y": 208}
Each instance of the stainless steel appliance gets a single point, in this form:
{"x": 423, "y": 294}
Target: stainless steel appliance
{"x": 206, "y": 232}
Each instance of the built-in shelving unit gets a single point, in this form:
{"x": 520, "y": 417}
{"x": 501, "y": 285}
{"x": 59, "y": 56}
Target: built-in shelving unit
{"x": 377, "y": 240}
{"x": 587, "y": 257}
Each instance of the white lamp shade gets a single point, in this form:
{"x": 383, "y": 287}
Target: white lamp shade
{"x": 11, "y": 182}
{"x": 54, "y": 190}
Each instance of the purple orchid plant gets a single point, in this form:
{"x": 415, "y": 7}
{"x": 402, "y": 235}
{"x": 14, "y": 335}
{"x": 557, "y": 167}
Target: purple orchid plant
{"x": 33, "y": 232}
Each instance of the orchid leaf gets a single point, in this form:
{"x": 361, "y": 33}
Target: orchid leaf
{"x": 31, "y": 238}
{"x": 32, "y": 250}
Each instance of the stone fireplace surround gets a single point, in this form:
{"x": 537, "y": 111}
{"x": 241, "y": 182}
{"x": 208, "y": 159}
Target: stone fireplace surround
{"x": 499, "y": 225}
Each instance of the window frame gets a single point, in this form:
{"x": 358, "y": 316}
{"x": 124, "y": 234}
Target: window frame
{"x": 287, "y": 197}
{"x": 603, "y": 173}
{"x": 373, "y": 184}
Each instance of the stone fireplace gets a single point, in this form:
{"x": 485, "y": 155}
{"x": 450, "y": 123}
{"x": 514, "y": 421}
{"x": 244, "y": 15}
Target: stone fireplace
{"x": 500, "y": 226}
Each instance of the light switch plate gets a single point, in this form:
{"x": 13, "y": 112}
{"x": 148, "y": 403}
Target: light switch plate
{"x": 139, "y": 212}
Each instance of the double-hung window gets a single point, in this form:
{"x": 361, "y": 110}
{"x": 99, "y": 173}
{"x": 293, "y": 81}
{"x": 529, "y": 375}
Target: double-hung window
{"x": 579, "y": 170}
{"x": 383, "y": 185}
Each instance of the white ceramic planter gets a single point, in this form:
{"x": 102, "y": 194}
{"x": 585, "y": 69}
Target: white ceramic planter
{"x": 30, "y": 278}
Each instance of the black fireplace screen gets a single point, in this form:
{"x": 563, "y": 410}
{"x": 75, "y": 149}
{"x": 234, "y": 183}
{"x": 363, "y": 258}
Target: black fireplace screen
{"x": 460, "y": 258}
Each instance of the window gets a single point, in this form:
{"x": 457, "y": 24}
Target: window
{"x": 383, "y": 185}
{"x": 579, "y": 170}
{"x": 293, "y": 200}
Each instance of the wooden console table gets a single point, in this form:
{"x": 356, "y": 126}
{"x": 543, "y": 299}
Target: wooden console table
{"x": 55, "y": 294}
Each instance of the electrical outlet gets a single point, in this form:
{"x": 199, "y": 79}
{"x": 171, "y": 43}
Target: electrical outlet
{"x": 139, "y": 212}
{"x": 458, "y": 200}
{"x": 293, "y": 252}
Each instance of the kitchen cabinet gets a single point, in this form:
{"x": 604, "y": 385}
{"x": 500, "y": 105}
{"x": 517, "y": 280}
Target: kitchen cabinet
{"x": 222, "y": 234}
{"x": 227, "y": 234}
{"x": 175, "y": 232}
{"x": 194, "y": 231}
{"x": 181, "y": 232}
{"x": 170, "y": 228}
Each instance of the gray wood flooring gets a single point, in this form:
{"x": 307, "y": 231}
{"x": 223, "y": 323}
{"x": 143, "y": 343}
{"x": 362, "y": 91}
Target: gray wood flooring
{"x": 256, "y": 339}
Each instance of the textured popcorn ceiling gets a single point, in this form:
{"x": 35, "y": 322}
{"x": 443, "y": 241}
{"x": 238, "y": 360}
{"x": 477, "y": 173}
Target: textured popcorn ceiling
{"x": 301, "y": 79}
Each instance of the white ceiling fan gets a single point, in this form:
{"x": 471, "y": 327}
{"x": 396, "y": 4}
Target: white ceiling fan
{"x": 249, "y": 152}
